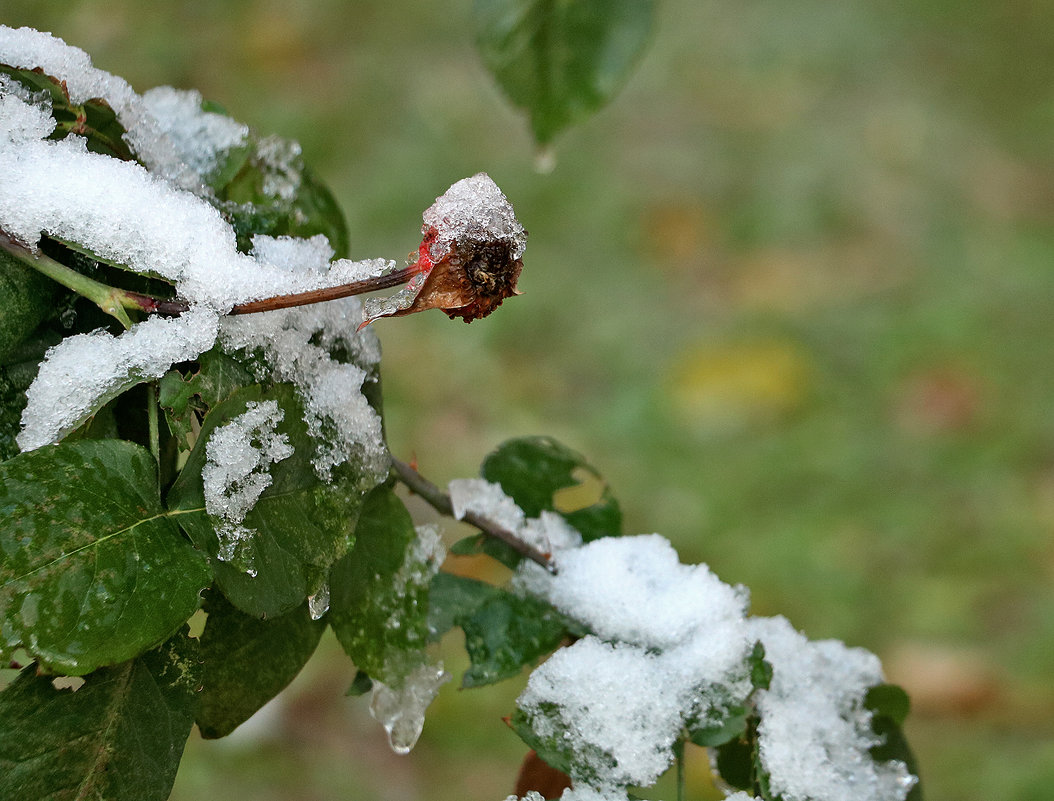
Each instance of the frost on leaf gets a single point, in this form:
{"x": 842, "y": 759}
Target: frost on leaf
{"x": 470, "y": 257}
{"x": 235, "y": 475}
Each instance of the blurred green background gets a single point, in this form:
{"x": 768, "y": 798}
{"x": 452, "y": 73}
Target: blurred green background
{"x": 791, "y": 292}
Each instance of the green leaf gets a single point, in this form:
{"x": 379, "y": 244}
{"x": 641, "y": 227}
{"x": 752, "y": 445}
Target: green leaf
{"x": 561, "y": 61}
{"x": 274, "y": 193}
{"x": 300, "y": 524}
{"x": 92, "y": 571}
{"x": 379, "y": 591}
{"x": 451, "y": 598}
{"x": 119, "y": 737}
{"x": 28, "y": 297}
{"x": 248, "y": 661}
{"x": 890, "y": 705}
{"x": 507, "y": 632}
{"x": 532, "y": 470}
{"x": 187, "y": 399}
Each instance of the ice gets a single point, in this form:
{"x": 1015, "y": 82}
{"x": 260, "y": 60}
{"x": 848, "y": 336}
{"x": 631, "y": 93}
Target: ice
{"x": 421, "y": 562}
{"x": 318, "y": 602}
{"x": 473, "y": 210}
{"x": 81, "y": 372}
{"x": 239, "y": 455}
{"x": 198, "y": 136}
{"x": 815, "y": 732}
{"x": 401, "y": 710}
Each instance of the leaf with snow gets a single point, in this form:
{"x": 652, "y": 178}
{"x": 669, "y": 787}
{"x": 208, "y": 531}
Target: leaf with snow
{"x": 118, "y": 737}
{"x": 247, "y": 661}
{"x": 92, "y": 570}
{"x": 533, "y": 470}
{"x": 297, "y": 527}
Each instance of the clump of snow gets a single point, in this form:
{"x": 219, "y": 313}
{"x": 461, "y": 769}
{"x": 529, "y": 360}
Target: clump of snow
{"x": 239, "y": 455}
{"x": 670, "y": 650}
{"x": 198, "y": 136}
{"x": 23, "y": 116}
{"x": 546, "y": 533}
{"x": 815, "y": 732}
{"x": 401, "y": 709}
{"x": 473, "y": 210}
{"x": 81, "y": 372}
{"x": 486, "y": 499}
{"x": 293, "y": 343}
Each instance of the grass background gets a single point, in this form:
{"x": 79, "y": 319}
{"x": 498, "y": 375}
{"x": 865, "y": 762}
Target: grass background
{"x": 791, "y": 292}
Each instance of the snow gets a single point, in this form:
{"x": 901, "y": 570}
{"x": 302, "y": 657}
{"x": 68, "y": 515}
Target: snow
{"x": 546, "y": 533}
{"x": 293, "y": 345}
{"x": 235, "y": 475}
{"x": 473, "y": 210}
{"x": 156, "y": 223}
{"x": 670, "y": 648}
{"x": 815, "y": 733}
{"x": 198, "y": 136}
{"x": 81, "y": 372}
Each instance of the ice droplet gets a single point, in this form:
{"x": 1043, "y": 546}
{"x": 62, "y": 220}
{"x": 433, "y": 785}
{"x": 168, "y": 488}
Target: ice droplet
{"x": 318, "y": 604}
{"x": 402, "y": 711}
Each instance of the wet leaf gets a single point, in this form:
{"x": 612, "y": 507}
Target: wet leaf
{"x": 379, "y": 591}
{"x": 248, "y": 661}
{"x": 28, "y": 298}
{"x": 186, "y": 399}
{"x": 561, "y": 62}
{"x": 300, "y": 525}
{"x": 92, "y": 571}
{"x": 118, "y": 737}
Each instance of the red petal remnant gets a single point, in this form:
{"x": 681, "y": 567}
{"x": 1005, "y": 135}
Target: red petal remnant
{"x": 469, "y": 259}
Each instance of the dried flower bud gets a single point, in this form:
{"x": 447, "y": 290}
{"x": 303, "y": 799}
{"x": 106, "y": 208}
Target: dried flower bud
{"x": 469, "y": 258}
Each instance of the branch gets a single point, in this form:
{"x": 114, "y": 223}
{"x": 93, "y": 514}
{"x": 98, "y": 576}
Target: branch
{"x": 440, "y": 501}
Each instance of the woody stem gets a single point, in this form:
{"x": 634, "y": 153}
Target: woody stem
{"x": 440, "y": 501}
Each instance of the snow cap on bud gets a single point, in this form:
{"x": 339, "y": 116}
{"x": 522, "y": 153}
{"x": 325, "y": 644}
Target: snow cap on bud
{"x": 469, "y": 259}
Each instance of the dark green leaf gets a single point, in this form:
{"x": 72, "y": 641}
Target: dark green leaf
{"x": 532, "y": 470}
{"x": 274, "y": 193}
{"x": 186, "y": 399}
{"x": 507, "y": 632}
{"x": 360, "y": 685}
{"x": 731, "y": 727}
{"x": 890, "y": 705}
{"x": 483, "y": 544}
{"x": 28, "y": 298}
{"x": 561, "y": 61}
{"x": 451, "y": 598}
{"x": 300, "y": 524}
{"x": 119, "y": 737}
{"x": 92, "y": 571}
{"x": 248, "y": 661}
{"x": 379, "y": 592}
{"x": 736, "y": 763}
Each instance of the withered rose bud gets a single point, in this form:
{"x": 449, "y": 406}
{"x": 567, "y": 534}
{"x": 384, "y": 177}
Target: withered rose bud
{"x": 469, "y": 259}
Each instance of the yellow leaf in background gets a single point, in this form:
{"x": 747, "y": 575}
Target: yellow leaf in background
{"x": 733, "y": 385}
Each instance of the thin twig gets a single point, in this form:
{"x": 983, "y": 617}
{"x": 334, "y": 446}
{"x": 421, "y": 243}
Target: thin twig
{"x": 440, "y": 501}
{"x": 386, "y": 281}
